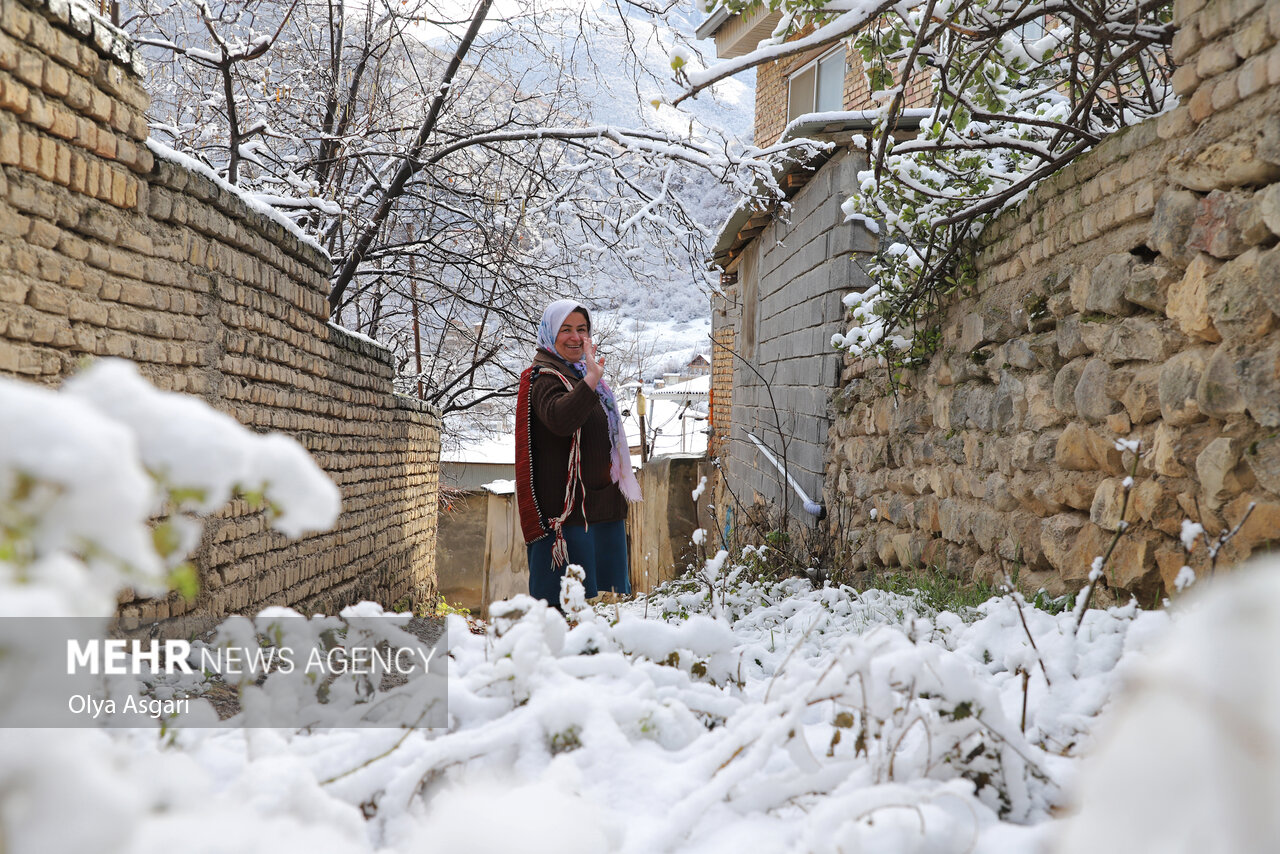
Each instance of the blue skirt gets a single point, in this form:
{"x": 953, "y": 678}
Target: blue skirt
{"x": 600, "y": 549}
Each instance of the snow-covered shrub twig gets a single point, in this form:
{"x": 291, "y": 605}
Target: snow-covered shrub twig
{"x": 1098, "y": 569}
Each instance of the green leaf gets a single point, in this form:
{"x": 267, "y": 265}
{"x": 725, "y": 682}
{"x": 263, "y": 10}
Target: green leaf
{"x": 186, "y": 580}
{"x": 165, "y": 538}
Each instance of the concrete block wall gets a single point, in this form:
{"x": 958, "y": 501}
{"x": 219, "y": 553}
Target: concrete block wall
{"x": 791, "y": 283}
{"x": 1134, "y": 295}
{"x": 108, "y": 250}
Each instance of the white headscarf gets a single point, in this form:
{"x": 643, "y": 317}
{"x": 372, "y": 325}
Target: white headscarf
{"x": 620, "y": 452}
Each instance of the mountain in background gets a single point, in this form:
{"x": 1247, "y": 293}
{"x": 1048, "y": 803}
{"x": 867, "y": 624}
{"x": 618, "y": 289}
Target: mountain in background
{"x": 619, "y": 67}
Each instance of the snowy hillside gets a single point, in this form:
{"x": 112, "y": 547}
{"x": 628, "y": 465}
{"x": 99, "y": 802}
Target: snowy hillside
{"x": 619, "y": 67}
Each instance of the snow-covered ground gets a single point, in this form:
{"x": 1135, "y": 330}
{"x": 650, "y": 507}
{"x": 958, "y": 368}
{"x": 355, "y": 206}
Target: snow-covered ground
{"x": 718, "y": 714}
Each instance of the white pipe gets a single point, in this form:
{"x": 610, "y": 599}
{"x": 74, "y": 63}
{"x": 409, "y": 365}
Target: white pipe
{"x": 811, "y": 507}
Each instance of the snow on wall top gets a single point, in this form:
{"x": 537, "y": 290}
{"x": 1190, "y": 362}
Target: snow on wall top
{"x": 81, "y": 17}
{"x": 251, "y": 201}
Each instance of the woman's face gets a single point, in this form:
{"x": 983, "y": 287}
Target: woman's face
{"x": 572, "y": 337}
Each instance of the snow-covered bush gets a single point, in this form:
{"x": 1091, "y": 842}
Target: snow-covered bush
{"x": 84, "y": 472}
{"x": 777, "y": 716}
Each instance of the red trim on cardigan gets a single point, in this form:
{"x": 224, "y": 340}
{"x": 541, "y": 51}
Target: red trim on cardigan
{"x": 532, "y": 523}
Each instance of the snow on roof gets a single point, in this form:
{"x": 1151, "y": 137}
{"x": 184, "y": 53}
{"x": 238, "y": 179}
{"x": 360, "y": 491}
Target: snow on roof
{"x": 497, "y": 450}
{"x": 500, "y": 487}
{"x": 696, "y": 387}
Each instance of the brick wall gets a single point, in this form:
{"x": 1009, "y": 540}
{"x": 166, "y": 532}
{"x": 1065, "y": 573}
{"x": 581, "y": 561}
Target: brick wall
{"x": 771, "y": 92}
{"x": 721, "y": 403}
{"x": 108, "y": 250}
{"x": 1134, "y": 295}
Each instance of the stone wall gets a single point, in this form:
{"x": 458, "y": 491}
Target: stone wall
{"x": 788, "y": 304}
{"x": 1132, "y": 296}
{"x": 108, "y": 250}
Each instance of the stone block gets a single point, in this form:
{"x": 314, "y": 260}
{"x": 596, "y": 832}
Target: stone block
{"x": 1200, "y": 105}
{"x": 1109, "y": 500}
{"x": 1171, "y": 222}
{"x": 1155, "y": 505}
{"x": 1177, "y": 122}
{"x": 1215, "y": 18}
{"x": 1070, "y": 337}
{"x": 1137, "y": 338}
{"x": 1237, "y": 161}
{"x": 1071, "y": 452}
{"x": 1142, "y": 398}
{"x": 1259, "y": 530}
{"x": 1149, "y": 285}
{"x": 1253, "y": 77}
{"x": 1073, "y": 490}
{"x": 1219, "y": 224}
{"x": 1074, "y": 557}
{"x": 1215, "y": 470}
{"x": 1092, "y": 400}
{"x": 1263, "y": 459}
{"x": 1132, "y": 568}
{"x": 1106, "y": 286}
{"x": 1226, "y": 91}
{"x": 1064, "y": 386}
{"x": 1185, "y": 80}
{"x": 1178, "y": 387}
{"x": 1018, "y": 354}
{"x": 1041, "y": 412}
{"x": 1186, "y": 41}
{"x": 909, "y": 549}
{"x": 1219, "y": 392}
{"x": 1165, "y": 456}
{"x": 1104, "y": 452}
{"x": 1045, "y": 349}
{"x": 1268, "y": 206}
{"x": 1268, "y": 274}
{"x": 1237, "y": 298}
{"x": 1009, "y": 405}
{"x": 1259, "y": 373}
{"x": 971, "y": 333}
{"x": 1188, "y": 304}
{"x": 1059, "y": 535}
{"x": 1169, "y": 562}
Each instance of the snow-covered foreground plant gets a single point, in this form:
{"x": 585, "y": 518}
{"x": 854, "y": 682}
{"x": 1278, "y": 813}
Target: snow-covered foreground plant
{"x": 798, "y": 718}
{"x": 84, "y": 470}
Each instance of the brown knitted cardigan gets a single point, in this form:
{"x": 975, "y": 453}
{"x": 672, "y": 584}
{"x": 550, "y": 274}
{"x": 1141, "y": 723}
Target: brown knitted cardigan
{"x": 555, "y": 413}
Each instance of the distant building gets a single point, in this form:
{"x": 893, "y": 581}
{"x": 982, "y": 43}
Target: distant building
{"x": 699, "y": 366}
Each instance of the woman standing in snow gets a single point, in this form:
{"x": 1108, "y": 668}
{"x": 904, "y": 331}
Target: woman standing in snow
{"x": 573, "y": 465}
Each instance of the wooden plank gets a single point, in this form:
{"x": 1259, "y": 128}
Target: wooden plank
{"x": 796, "y": 180}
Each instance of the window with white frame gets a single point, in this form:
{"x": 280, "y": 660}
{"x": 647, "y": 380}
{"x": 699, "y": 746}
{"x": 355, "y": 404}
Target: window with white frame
{"x": 817, "y": 86}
